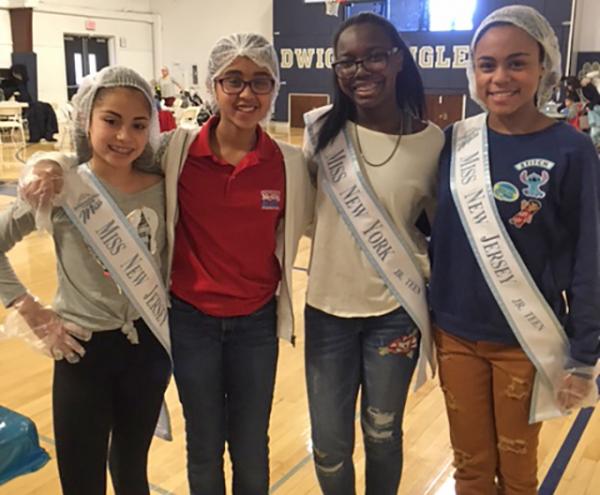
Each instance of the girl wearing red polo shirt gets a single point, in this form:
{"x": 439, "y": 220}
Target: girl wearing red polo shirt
{"x": 237, "y": 203}
{"x": 242, "y": 205}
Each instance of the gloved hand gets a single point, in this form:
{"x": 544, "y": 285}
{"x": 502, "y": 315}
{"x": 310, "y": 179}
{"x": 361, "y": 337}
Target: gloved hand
{"x": 577, "y": 387}
{"x": 41, "y": 183}
{"x": 45, "y": 330}
{"x": 39, "y": 187}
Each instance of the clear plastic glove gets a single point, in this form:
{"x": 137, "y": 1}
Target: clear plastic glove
{"x": 40, "y": 186}
{"x": 45, "y": 331}
{"x": 577, "y": 387}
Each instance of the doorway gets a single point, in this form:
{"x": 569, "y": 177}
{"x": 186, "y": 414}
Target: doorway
{"x": 84, "y": 55}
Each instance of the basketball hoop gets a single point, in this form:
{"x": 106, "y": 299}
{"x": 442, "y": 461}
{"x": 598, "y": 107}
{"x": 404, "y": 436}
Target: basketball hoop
{"x": 332, "y": 7}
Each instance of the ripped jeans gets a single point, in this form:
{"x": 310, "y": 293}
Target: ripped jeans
{"x": 487, "y": 387}
{"x": 376, "y": 355}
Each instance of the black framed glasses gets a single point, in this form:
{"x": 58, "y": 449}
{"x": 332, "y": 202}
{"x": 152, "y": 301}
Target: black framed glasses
{"x": 234, "y": 85}
{"x": 374, "y": 62}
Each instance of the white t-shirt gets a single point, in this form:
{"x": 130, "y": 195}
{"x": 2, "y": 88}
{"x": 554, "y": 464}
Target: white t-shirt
{"x": 342, "y": 282}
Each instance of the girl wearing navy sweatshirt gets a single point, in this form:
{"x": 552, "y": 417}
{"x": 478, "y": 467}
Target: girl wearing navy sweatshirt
{"x": 515, "y": 260}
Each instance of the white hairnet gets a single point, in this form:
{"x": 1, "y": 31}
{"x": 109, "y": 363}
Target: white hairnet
{"x": 83, "y": 103}
{"x": 252, "y": 46}
{"x": 535, "y": 25}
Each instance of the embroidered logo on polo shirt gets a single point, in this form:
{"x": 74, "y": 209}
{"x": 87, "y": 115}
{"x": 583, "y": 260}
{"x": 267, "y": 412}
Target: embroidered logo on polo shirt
{"x": 270, "y": 199}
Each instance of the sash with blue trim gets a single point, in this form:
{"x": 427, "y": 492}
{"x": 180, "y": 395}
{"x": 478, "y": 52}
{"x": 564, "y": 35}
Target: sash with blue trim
{"x": 106, "y": 230}
{"x": 374, "y": 231}
{"x": 529, "y": 315}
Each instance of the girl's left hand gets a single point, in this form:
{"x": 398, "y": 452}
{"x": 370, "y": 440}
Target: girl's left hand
{"x": 574, "y": 389}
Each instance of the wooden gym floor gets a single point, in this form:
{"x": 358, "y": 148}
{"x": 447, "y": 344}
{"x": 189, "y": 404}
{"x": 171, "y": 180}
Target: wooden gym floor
{"x": 569, "y": 451}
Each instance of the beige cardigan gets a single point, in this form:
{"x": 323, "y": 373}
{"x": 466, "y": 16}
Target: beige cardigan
{"x": 299, "y": 206}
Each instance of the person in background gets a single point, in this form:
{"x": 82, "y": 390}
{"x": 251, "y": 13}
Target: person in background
{"x": 16, "y": 84}
{"x": 41, "y": 117}
{"x": 593, "y": 108}
{"x": 573, "y": 109}
{"x": 169, "y": 87}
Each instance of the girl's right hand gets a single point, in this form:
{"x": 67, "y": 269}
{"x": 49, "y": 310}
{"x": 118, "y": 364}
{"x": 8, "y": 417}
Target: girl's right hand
{"x": 40, "y": 184}
{"x": 55, "y": 337}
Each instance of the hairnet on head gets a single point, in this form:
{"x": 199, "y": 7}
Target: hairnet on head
{"x": 535, "y": 25}
{"x": 252, "y": 46}
{"x": 83, "y": 103}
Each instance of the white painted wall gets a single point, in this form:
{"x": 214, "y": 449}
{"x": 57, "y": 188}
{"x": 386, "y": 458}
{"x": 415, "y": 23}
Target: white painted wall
{"x": 48, "y": 42}
{"x": 191, "y": 27}
{"x": 128, "y": 5}
{"x": 5, "y": 39}
{"x": 587, "y": 33}
{"x": 185, "y": 31}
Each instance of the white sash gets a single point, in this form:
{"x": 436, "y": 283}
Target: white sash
{"x": 374, "y": 232}
{"x": 106, "y": 230}
{"x": 530, "y": 317}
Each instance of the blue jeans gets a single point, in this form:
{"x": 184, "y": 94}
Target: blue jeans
{"x": 378, "y": 355}
{"x": 225, "y": 373}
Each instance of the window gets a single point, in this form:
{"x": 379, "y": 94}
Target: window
{"x": 409, "y": 15}
{"x": 432, "y": 15}
{"x": 451, "y": 16}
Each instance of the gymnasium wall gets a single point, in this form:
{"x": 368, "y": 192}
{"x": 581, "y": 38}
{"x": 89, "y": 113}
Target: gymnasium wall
{"x": 5, "y": 38}
{"x": 130, "y": 44}
{"x": 148, "y": 33}
{"x": 304, "y": 33}
{"x": 191, "y": 27}
{"x": 120, "y": 5}
{"x": 586, "y": 40}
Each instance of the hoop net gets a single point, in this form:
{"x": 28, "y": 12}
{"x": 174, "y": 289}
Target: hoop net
{"x": 332, "y": 7}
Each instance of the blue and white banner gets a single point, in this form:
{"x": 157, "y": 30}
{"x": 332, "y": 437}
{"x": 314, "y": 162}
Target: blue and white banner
{"x": 106, "y": 230}
{"x": 529, "y": 315}
{"x": 374, "y": 231}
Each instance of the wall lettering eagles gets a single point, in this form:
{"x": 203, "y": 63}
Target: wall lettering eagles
{"x": 427, "y": 57}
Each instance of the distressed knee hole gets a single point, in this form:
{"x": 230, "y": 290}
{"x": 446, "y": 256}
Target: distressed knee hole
{"x": 322, "y": 465}
{"x": 402, "y": 346}
{"x": 517, "y": 389}
{"x": 450, "y": 399}
{"x": 461, "y": 459}
{"x": 378, "y": 425}
{"x": 518, "y": 447}
{"x": 329, "y": 470}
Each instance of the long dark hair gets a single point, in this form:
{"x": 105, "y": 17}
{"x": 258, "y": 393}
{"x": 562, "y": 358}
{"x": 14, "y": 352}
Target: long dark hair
{"x": 410, "y": 95}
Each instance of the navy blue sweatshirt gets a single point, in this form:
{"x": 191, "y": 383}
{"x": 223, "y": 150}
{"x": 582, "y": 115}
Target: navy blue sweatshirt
{"x": 547, "y": 191}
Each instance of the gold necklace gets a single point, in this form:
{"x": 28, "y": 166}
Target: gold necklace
{"x": 360, "y": 150}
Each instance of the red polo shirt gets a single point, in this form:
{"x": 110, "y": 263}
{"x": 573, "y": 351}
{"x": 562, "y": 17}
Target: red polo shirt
{"x": 224, "y": 261}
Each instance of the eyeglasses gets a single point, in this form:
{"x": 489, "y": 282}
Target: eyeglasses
{"x": 235, "y": 85}
{"x": 374, "y": 62}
